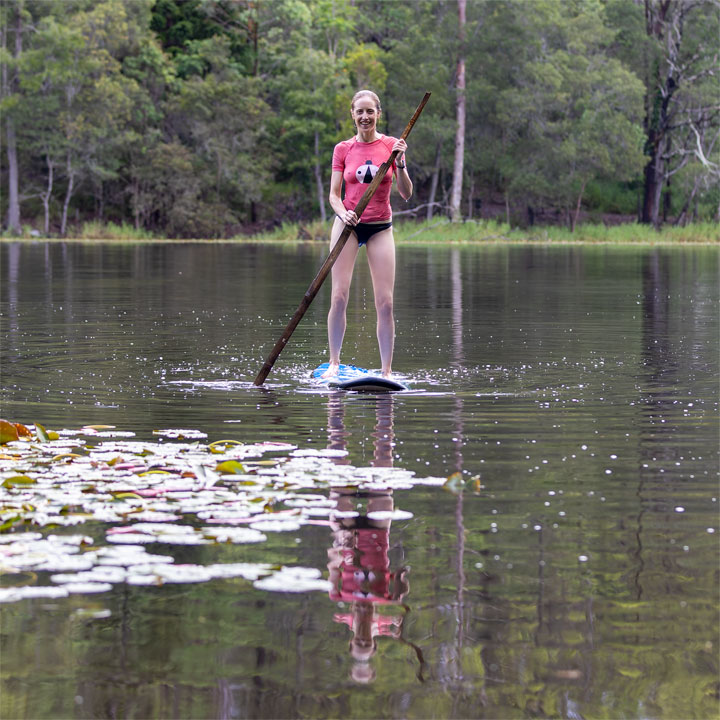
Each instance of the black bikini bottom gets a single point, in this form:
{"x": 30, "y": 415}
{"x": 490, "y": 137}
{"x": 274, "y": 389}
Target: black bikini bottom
{"x": 365, "y": 231}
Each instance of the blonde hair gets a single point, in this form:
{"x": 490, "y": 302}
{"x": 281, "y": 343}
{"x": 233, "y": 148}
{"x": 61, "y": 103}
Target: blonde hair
{"x": 366, "y": 93}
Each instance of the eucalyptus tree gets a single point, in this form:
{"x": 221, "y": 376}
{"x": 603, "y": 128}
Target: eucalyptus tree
{"x": 306, "y": 127}
{"x": 146, "y": 153}
{"x": 569, "y": 113}
{"x": 682, "y": 101}
{"x": 19, "y": 22}
{"x": 460, "y": 115}
{"x": 421, "y": 46}
{"x": 73, "y": 89}
{"x": 13, "y": 19}
{"x": 304, "y": 76}
{"x": 221, "y": 118}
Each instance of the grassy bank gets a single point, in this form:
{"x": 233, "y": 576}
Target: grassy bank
{"x": 437, "y": 231}
{"x": 441, "y": 231}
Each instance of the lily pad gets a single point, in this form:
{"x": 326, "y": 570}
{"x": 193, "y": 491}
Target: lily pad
{"x": 32, "y": 591}
{"x": 87, "y": 587}
{"x": 234, "y": 535}
{"x": 8, "y": 432}
{"x": 295, "y": 580}
{"x": 171, "y": 493}
{"x": 230, "y": 467}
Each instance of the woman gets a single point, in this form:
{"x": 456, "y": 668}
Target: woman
{"x": 355, "y": 162}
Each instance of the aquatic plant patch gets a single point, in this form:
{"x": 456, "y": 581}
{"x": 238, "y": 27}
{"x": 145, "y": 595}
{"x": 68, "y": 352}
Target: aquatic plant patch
{"x": 138, "y": 499}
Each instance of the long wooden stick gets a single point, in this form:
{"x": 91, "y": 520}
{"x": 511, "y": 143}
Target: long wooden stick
{"x": 315, "y": 285}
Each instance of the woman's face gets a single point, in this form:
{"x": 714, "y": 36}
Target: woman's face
{"x": 365, "y": 114}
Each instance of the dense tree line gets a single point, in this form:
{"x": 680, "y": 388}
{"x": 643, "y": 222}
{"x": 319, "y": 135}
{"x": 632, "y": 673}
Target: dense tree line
{"x": 206, "y": 117}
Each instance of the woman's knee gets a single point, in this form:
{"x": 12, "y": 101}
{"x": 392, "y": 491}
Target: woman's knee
{"x": 339, "y": 300}
{"x": 384, "y": 305}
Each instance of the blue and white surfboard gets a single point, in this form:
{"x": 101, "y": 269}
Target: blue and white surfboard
{"x": 350, "y": 377}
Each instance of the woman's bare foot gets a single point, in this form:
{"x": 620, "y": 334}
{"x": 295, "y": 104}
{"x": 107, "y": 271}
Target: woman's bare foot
{"x": 332, "y": 371}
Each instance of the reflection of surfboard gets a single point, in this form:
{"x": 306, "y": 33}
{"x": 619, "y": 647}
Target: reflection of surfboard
{"x": 350, "y": 377}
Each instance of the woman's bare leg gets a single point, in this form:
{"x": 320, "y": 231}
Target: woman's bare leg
{"x": 341, "y": 275}
{"x": 381, "y": 258}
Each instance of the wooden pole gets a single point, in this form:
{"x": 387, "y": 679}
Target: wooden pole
{"x": 315, "y": 285}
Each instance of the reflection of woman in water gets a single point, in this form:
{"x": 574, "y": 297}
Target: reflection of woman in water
{"x": 360, "y": 574}
{"x": 358, "y": 560}
{"x": 383, "y": 435}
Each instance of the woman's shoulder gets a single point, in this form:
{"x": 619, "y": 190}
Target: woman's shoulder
{"x": 388, "y": 140}
{"x": 345, "y": 145}
{"x": 340, "y": 152}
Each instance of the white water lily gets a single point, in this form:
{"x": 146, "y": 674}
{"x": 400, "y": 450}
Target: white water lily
{"x": 154, "y": 493}
{"x": 234, "y": 534}
{"x": 390, "y": 515}
{"x": 294, "y": 579}
{"x": 32, "y": 591}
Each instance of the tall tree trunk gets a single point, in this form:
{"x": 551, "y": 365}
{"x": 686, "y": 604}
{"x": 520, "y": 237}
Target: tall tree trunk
{"x": 577, "y": 207}
{"x": 68, "y": 195}
{"x": 668, "y": 68}
{"x": 253, "y": 21}
{"x": 681, "y": 219}
{"x": 318, "y": 178}
{"x": 434, "y": 181}
{"x": 667, "y": 201}
{"x": 651, "y": 189}
{"x": 45, "y": 196}
{"x": 653, "y": 172}
{"x": 136, "y": 202}
{"x": 13, "y": 180}
{"x": 9, "y": 86}
{"x": 458, "y": 167}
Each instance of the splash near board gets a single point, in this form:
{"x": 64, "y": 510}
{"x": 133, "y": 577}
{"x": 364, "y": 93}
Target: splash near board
{"x": 350, "y": 377}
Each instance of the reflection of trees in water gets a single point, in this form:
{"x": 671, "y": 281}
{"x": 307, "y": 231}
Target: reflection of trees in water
{"x": 496, "y": 642}
{"x": 472, "y": 607}
{"x": 658, "y": 380}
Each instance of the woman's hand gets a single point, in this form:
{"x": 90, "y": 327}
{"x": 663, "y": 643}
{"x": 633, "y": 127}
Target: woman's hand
{"x": 349, "y": 217}
{"x": 400, "y": 145}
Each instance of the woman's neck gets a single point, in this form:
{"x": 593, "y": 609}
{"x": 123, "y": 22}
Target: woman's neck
{"x": 367, "y": 137}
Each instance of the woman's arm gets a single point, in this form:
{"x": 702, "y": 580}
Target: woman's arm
{"x": 404, "y": 183}
{"x": 347, "y": 216}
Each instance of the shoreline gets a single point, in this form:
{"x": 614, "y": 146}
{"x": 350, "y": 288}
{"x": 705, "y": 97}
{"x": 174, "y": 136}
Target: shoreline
{"x": 443, "y": 232}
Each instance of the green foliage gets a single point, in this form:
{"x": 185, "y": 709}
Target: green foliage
{"x": 179, "y": 25}
{"x": 612, "y": 196}
{"x": 573, "y": 113}
{"x": 204, "y": 117}
{"x": 111, "y": 231}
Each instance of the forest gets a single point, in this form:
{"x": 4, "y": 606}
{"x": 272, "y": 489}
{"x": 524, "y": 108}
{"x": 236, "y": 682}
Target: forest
{"x": 214, "y": 118}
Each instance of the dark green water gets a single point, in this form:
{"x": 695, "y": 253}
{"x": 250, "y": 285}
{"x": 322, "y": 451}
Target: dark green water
{"x": 579, "y": 579}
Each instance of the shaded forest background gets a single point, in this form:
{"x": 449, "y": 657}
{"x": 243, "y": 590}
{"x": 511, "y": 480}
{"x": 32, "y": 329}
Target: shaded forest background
{"x": 211, "y": 118}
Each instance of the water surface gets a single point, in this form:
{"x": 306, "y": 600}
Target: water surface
{"x": 574, "y": 389}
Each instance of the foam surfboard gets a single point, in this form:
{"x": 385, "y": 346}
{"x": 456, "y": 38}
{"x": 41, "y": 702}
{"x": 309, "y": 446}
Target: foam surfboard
{"x": 350, "y": 377}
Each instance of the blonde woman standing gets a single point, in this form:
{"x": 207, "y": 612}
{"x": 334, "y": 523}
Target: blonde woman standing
{"x": 355, "y": 162}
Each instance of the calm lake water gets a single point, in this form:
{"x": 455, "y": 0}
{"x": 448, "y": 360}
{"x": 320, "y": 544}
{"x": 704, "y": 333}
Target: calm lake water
{"x": 574, "y": 574}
